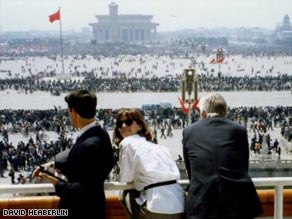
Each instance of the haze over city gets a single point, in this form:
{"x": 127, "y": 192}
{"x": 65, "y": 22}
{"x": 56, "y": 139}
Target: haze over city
{"x": 26, "y": 15}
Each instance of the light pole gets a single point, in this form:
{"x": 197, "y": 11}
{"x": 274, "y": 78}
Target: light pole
{"x": 219, "y": 58}
{"x": 203, "y": 46}
{"x": 189, "y": 87}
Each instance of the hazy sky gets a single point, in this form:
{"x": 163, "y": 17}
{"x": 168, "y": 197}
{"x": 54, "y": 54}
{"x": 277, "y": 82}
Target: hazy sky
{"x": 22, "y": 15}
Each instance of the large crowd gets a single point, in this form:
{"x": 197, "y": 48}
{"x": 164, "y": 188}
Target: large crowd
{"x": 148, "y": 68}
{"x": 24, "y": 156}
{"x": 154, "y": 84}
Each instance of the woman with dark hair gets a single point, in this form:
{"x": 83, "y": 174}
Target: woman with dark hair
{"x": 151, "y": 169}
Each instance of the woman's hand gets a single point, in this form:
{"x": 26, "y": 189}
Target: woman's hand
{"x": 50, "y": 164}
{"x": 46, "y": 177}
{"x": 38, "y": 173}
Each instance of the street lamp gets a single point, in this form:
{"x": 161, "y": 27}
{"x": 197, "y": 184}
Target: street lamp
{"x": 219, "y": 58}
{"x": 203, "y": 46}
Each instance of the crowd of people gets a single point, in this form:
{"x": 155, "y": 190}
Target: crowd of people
{"x": 217, "y": 171}
{"x": 86, "y": 174}
{"x": 146, "y": 74}
{"x": 155, "y": 84}
{"x": 23, "y": 156}
{"x": 131, "y": 126}
{"x": 143, "y": 72}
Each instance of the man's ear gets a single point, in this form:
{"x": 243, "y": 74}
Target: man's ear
{"x": 72, "y": 111}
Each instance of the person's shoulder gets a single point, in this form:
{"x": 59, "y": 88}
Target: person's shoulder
{"x": 194, "y": 125}
{"x": 100, "y": 131}
{"x": 95, "y": 135}
{"x": 134, "y": 138}
{"x": 132, "y": 142}
{"x": 236, "y": 125}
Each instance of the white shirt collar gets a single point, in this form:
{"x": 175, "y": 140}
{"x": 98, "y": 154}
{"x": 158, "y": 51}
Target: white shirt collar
{"x": 85, "y": 128}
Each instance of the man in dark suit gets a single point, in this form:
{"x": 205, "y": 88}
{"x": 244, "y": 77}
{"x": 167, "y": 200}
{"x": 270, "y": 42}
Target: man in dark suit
{"x": 216, "y": 155}
{"x": 88, "y": 163}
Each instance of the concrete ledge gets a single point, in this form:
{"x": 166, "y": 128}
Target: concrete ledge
{"x": 115, "y": 209}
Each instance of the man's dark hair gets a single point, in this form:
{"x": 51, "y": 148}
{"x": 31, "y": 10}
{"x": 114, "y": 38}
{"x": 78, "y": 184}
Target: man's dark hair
{"x": 83, "y": 102}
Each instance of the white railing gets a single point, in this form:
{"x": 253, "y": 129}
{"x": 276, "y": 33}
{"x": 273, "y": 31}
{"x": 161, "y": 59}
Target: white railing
{"x": 277, "y": 182}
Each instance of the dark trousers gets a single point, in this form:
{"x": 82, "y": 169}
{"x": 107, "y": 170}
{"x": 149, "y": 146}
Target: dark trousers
{"x": 135, "y": 211}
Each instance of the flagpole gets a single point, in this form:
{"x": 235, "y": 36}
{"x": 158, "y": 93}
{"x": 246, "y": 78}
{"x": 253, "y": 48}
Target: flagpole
{"x": 61, "y": 41}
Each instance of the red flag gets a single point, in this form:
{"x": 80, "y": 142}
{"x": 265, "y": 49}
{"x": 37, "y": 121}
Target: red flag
{"x": 183, "y": 107}
{"x": 195, "y": 104}
{"x": 220, "y": 60}
{"x": 213, "y": 61}
{"x": 54, "y": 17}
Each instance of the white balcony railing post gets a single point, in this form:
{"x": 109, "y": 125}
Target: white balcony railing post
{"x": 278, "y": 202}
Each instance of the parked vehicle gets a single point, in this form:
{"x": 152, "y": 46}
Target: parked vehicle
{"x": 151, "y": 106}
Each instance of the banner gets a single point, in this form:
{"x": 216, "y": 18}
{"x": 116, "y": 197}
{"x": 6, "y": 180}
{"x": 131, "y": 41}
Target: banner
{"x": 54, "y": 17}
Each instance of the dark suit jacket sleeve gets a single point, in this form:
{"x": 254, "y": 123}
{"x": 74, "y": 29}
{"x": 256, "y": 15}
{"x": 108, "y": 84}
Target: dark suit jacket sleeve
{"x": 88, "y": 166}
{"x": 185, "y": 155}
{"x": 245, "y": 150}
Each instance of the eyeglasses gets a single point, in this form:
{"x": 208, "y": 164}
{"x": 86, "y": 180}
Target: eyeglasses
{"x": 128, "y": 122}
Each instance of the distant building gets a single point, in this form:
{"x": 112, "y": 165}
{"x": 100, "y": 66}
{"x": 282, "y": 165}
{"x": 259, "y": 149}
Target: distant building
{"x": 284, "y": 30}
{"x": 115, "y": 28}
{"x": 285, "y": 25}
